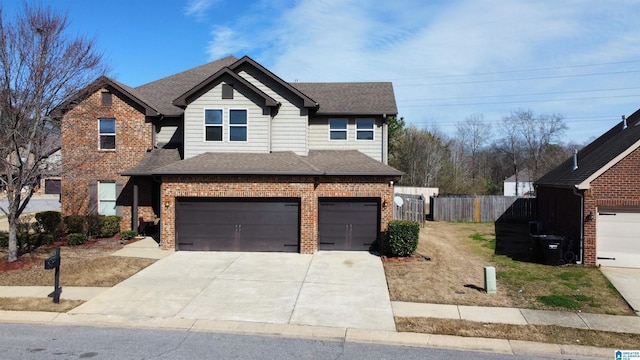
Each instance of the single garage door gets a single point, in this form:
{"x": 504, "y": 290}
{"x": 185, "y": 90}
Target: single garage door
{"x": 237, "y": 224}
{"x": 350, "y": 224}
{"x": 618, "y": 237}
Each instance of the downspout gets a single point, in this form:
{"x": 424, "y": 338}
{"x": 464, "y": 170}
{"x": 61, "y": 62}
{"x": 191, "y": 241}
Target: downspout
{"x": 581, "y": 195}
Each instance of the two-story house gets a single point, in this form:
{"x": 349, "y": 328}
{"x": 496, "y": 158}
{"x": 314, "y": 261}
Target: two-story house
{"x": 228, "y": 156}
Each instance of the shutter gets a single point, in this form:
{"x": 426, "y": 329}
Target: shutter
{"x": 118, "y": 201}
{"x": 93, "y": 197}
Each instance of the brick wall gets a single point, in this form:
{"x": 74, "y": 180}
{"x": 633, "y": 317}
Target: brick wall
{"x": 83, "y": 162}
{"x": 307, "y": 189}
{"x": 617, "y": 187}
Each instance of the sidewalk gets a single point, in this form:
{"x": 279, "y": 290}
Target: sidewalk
{"x": 148, "y": 248}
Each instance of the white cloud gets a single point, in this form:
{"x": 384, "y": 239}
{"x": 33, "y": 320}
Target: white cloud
{"x": 198, "y": 8}
{"x": 471, "y": 48}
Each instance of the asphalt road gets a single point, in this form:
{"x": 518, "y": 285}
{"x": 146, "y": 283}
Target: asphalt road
{"x": 35, "y": 204}
{"x": 22, "y": 341}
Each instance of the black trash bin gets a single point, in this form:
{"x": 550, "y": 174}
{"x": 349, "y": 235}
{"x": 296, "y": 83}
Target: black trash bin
{"x": 552, "y": 249}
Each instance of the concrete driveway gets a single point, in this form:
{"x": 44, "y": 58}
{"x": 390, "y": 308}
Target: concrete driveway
{"x": 336, "y": 289}
{"x": 627, "y": 282}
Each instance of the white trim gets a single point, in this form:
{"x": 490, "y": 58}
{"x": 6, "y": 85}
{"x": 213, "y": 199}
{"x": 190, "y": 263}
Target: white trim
{"x": 373, "y": 129}
{"x": 115, "y": 138}
{"x": 246, "y": 125}
{"x": 346, "y": 129}
{"x": 586, "y": 184}
{"x": 205, "y": 125}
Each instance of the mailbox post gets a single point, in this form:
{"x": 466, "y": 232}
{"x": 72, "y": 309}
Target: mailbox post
{"x": 53, "y": 262}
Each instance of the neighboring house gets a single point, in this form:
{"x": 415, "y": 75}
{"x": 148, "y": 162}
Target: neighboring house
{"x": 525, "y": 185}
{"x": 594, "y": 199}
{"x": 228, "y": 156}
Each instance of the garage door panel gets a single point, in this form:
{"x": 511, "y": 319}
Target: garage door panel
{"x": 347, "y": 224}
{"x": 237, "y": 225}
{"x": 618, "y": 237}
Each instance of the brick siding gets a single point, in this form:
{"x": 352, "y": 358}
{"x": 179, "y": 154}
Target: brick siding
{"x": 83, "y": 162}
{"x": 307, "y": 189}
{"x": 617, "y": 187}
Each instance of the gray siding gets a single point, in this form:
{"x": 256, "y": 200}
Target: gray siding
{"x": 169, "y": 131}
{"x": 319, "y": 138}
{"x": 289, "y": 125}
{"x": 257, "y": 124}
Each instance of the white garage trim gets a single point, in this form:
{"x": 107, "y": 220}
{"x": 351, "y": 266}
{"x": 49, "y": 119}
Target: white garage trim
{"x": 618, "y": 237}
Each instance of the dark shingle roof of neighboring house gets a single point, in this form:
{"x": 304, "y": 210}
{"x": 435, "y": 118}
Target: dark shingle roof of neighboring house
{"x": 319, "y": 162}
{"x": 597, "y": 157}
{"x": 164, "y": 91}
{"x": 152, "y": 160}
{"x": 364, "y": 98}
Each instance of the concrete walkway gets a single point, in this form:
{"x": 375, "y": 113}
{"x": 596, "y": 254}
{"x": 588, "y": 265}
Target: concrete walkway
{"x": 189, "y": 292}
{"x": 627, "y": 282}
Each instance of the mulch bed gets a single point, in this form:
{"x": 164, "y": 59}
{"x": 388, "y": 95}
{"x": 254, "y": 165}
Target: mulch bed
{"x": 404, "y": 259}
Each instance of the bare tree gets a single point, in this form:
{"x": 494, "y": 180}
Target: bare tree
{"x": 473, "y": 134}
{"x": 40, "y": 68}
{"x": 421, "y": 154}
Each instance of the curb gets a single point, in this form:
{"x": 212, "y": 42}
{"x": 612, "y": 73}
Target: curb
{"x": 347, "y": 335}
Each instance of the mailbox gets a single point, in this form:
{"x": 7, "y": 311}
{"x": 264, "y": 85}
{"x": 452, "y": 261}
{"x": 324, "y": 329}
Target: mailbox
{"x": 52, "y": 262}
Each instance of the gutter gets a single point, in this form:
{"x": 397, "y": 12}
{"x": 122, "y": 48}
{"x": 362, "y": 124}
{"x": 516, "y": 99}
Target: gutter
{"x": 581, "y": 195}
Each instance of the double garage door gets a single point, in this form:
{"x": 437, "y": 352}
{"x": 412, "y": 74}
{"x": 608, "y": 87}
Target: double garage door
{"x": 272, "y": 224}
{"x": 618, "y": 237}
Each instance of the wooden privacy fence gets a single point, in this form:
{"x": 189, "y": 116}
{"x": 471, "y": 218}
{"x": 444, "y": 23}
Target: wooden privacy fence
{"x": 483, "y": 208}
{"x": 412, "y": 208}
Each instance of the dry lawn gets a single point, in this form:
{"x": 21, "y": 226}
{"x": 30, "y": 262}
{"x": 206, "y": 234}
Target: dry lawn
{"x": 455, "y": 275}
{"x": 87, "y": 265}
{"x": 537, "y": 333}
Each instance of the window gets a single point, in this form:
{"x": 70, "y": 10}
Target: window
{"x": 364, "y": 129}
{"x": 237, "y": 125}
{"x": 106, "y": 98}
{"x": 107, "y": 198}
{"x": 213, "y": 124}
{"x": 107, "y": 130}
{"x": 338, "y": 129}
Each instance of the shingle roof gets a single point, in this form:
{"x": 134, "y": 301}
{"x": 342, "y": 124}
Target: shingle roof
{"x": 597, "y": 156}
{"x": 152, "y": 160}
{"x": 364, "y": 98}
{"x": 320, "y": 162}
{"x": 162, "y": 92}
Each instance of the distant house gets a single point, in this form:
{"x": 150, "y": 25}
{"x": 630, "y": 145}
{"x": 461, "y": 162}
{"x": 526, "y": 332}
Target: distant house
{"x": 227, "y": 156}
{"x": 594, "y": 198}
{"x": 524, "y": 185}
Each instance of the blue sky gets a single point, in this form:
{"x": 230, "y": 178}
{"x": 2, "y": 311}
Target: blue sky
{"x": 447, "y": 59}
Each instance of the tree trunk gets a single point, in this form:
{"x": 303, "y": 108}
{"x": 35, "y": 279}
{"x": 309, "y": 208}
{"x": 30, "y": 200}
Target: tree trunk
{"x": 13, "y": 238}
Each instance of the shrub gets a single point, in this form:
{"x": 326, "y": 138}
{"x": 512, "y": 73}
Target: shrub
{"x": 403, "y": 237}
{"x": 4, "y": 239}
{"x": 76, "y": 224}
{"x": 110, "y": 226}
{"x": 45, "y": 239}
{"x": 128, "y": 234}
{"x": 76, "y": 239}
{"x": 94, "y": 224}
{"x": 50, "y": 222}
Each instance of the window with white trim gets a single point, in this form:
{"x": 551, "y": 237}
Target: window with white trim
{"x": 338, "y": 129}
{"x": 364, "y": 129}
{"x": 213, "y": 124}
{"x": 237, "y": 125}
{"x": 107, "y": 134}
{"x": 107, "y": 197}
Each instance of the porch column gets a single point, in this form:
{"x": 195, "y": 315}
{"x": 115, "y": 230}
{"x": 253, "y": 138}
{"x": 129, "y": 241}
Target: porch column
{"x": 134, "y": 206}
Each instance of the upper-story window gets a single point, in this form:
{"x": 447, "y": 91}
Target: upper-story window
{"x": 364, "y": 129}
{"x": 106, "y": 98}
{"x": 107, "y": 134}
{"x": 213, "y": 124}
{"x": 237, "y": 125}
{"x": 338, "y": 129}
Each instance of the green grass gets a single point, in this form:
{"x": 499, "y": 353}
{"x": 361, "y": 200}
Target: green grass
{"x": 537, "y": 286}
